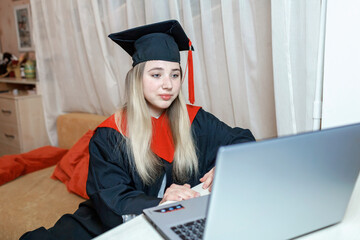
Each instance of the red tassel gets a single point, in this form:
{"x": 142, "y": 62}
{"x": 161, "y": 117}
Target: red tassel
{"x": 191, "y": 76}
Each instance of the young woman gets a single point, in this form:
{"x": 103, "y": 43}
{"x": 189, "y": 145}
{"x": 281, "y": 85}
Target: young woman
{"x": 156, "y": 147}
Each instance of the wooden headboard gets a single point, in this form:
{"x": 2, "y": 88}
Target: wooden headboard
{"x": 72, "y": 126}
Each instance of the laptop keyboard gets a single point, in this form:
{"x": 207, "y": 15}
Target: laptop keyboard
{"x": 190, "y": 230}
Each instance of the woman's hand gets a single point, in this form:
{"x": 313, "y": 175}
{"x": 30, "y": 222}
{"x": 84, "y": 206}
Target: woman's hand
{"x": 207, "y": 179}
{"x": 179, "y": 192}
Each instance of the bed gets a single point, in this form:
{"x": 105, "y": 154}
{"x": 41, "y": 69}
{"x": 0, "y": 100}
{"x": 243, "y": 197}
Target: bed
{"x": 37, "y": 199}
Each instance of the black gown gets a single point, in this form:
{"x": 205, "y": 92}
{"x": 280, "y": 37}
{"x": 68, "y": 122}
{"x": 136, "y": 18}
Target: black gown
{"x": 115, "y": 189}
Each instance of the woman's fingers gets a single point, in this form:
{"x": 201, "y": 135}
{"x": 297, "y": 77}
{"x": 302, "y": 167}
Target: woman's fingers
{"x": 207, "y": 179}
{"x": 184, "y": 191}
{"x": 179, "y": 192}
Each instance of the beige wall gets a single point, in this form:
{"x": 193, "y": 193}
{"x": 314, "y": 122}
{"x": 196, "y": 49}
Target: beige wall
{"x": 8, "y": 38}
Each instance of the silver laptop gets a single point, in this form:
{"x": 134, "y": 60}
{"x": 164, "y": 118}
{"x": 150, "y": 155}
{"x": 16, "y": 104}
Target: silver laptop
{"x": 275, "y": 189}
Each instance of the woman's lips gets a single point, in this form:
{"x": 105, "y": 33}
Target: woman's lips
{"x": 165, "y": 97}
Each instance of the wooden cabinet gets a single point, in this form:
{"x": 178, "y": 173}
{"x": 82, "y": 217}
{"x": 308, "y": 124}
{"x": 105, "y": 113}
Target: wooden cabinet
{"x": 22, "y": 123}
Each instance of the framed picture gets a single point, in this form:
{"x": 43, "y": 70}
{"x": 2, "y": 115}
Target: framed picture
{"x": 23, "y": 27}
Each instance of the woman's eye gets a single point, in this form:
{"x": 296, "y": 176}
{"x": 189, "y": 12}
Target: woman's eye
{"x": 175, "y": 75}
{"x": 155, "y": 75}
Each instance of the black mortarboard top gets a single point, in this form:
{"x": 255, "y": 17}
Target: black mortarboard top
{"x": 157, "y": 41}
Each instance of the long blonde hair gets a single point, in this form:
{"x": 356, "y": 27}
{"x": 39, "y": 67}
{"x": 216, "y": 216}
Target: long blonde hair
{"x": 139, "y": 132}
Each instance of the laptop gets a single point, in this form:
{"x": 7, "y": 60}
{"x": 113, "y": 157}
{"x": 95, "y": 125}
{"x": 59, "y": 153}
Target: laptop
{"x": 280, "y": 188}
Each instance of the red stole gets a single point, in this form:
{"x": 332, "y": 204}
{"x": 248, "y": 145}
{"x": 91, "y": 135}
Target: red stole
{"x": 162, "y": 143}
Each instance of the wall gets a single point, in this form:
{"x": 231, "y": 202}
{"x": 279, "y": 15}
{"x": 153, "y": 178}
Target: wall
{"x": 341, "y": 98}
{"x": 8, "y": 37}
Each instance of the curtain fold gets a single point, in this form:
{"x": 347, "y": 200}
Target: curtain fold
{"x": 295, "y": 39}
{"x": 236, "y": 41}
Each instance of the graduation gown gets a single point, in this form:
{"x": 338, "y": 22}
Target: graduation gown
{"x": 114, "y": 186}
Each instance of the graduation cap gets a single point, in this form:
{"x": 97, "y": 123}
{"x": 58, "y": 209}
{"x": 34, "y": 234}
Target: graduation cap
{"x": 157, "y": 41}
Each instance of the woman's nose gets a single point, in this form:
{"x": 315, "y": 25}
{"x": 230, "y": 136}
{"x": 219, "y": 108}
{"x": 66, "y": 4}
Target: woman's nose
{"x": 167, "y": 84}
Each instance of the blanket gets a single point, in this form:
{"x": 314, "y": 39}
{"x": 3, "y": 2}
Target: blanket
{"x": 16, "y": 165}
{"x": 71, "y": 165}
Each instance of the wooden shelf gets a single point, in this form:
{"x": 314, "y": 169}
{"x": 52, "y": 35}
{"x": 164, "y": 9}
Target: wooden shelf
{"x": 21, "y": 94}
{"x": 26, "y": 86}
{"x": 19, "y": 81}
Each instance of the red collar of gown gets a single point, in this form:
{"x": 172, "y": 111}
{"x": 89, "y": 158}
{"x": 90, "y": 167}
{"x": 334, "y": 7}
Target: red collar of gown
{"x": 162, "y": 143}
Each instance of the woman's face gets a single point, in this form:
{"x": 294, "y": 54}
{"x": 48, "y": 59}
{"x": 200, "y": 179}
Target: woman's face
{"x": 161, "y": 85}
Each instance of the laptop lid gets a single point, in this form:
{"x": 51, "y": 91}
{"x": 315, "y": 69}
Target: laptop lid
{"x": 285, "y": 187}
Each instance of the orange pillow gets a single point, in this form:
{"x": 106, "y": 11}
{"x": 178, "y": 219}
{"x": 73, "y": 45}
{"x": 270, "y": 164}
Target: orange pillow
{"x": 13, "y": 166}
{"x": 73, "y": 167}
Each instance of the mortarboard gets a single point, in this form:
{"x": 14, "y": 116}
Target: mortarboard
{"x": 157, "y": 41}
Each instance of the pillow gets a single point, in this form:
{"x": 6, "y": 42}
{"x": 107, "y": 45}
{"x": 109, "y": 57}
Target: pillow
{"x": 9, "y": 169}
{"x": 13, "y": 166}
{"x": 73, "y": 167}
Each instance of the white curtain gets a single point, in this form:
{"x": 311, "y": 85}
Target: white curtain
{"x": 295, "y": 40}
{"x": 81, "y": 70}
